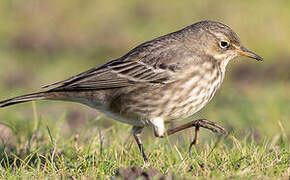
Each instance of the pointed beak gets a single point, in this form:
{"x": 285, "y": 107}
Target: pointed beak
{"x": 245, "y": 52}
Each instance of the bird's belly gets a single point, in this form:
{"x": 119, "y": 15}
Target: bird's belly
{"x": 135, "y": 121}
{"x": 131, "y": 118}
{"x": 189, "y": 99}
{"x": 191, "y": 104}
{"x": 173, "y": 101}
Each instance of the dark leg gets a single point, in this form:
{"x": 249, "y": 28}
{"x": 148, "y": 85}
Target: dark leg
{"x": 212, "y": 126}
{"x": 137, "y": 134}
{"x": 196, "y": 136}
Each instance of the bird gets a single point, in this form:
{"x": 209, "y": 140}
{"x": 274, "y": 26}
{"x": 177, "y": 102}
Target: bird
{"x": 160, "y": 81}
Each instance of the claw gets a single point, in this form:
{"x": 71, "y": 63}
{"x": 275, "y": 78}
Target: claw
{"x": 212, "y": 126}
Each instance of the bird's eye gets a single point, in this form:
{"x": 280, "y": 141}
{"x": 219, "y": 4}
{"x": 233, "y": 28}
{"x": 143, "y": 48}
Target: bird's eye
{"x": 224, "y": 44}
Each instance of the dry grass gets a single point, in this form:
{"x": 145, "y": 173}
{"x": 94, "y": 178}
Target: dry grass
{"x": 46, "y": 41}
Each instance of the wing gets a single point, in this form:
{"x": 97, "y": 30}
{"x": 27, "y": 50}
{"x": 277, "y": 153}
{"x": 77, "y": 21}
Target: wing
{"x": 114, "y": 74}
{"x": 151, "y": 62}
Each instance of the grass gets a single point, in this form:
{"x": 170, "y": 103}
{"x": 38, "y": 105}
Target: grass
{"x": 102, "y": 155}
{"x": 43, "y": 148}
{"x": 46, "y": 41}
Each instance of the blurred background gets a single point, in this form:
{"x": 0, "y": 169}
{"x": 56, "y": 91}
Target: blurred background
{"x": 42, "y": 42}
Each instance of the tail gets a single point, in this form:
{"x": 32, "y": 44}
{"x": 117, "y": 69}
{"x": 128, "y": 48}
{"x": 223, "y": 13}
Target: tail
{"x": 23, "y": 98}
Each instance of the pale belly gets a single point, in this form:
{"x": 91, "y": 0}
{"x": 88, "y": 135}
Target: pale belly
{"x": 132, "y": 119}
{"x": 164, "y": 103}
{"x": 188, "y": 97}
{"x": 174, "y": 101}
{"x": 192, "y": 101}
{"x": 170, "y": 111}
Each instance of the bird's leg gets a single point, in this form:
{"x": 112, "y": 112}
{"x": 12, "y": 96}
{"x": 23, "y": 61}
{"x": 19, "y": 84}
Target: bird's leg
{"x": 212, "y": 126}
{"x": 196, "y": 137}
{"x": 137, "y": 135}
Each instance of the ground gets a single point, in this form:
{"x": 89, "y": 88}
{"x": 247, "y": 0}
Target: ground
{"x": 42, "y": 42}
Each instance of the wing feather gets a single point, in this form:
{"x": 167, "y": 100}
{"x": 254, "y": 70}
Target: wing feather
{"x": 114, "y": 74}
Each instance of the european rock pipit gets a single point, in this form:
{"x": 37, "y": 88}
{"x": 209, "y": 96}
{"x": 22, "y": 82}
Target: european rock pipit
{"x": 163, "y": 80}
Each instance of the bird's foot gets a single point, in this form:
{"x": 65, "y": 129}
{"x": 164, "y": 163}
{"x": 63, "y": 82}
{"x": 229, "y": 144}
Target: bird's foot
{"x": 207, "y": 124}
{"x": 210, "y": 125}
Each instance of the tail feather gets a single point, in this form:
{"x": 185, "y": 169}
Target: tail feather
{"x": 22, "y": 99}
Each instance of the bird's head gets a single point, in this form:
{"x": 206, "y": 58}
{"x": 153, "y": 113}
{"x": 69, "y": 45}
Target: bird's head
{"x": 219, "y": 41}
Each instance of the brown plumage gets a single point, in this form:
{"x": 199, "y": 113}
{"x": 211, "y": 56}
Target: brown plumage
{"x": 166, "y": 79}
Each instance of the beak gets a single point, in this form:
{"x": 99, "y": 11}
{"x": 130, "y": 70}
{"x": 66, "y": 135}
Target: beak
{"x": 245, "y": 52}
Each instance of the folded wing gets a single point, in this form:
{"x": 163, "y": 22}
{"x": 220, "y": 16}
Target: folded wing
{"x": 114, "y": 74}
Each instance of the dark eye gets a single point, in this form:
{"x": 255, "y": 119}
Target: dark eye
{"x": 224, "y": 44}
